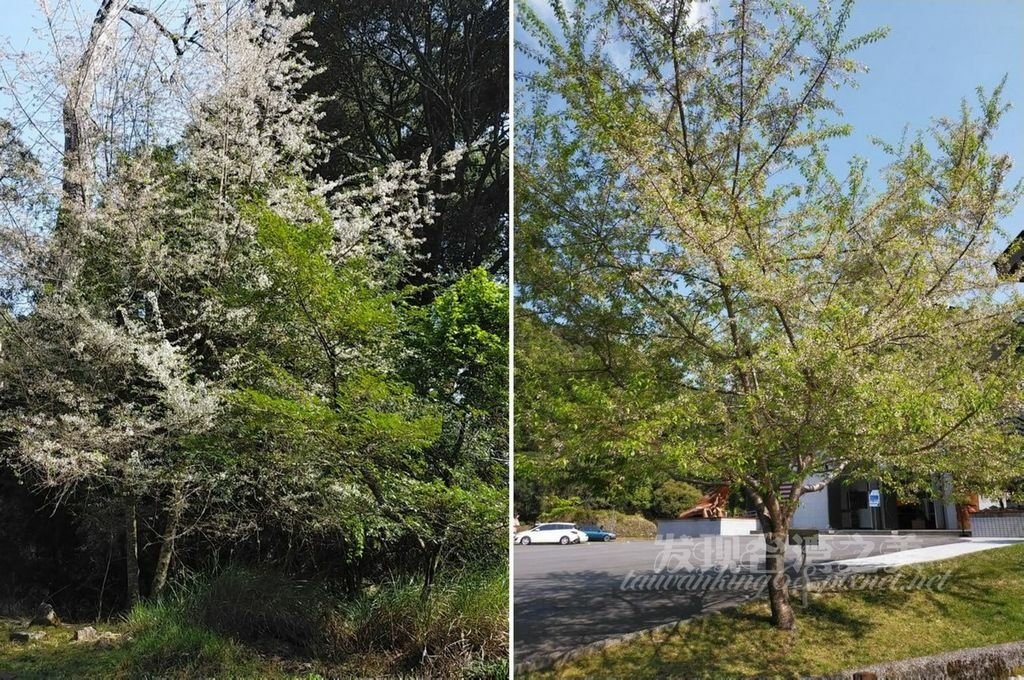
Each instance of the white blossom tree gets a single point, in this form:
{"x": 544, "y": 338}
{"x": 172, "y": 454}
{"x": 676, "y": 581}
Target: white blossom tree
{"x": 149, "y": 135}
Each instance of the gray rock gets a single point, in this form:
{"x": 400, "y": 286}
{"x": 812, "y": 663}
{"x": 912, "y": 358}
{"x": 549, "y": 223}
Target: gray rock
{"x": 45, "y": 616}
{"x": 979, "y": 663}
{"x": 87, "y": 634}
{"x": 108, "y": 640}
{"x": 26, "y": 635}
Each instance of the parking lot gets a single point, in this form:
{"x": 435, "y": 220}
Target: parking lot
{"x": 568, "y": 596}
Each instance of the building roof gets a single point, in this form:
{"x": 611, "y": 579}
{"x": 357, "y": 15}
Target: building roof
{"x": 1009, "y": 263}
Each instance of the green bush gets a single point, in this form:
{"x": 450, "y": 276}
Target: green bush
{"x": 674, "y": 497}
{"x": 622, "y": 524}
{"x": 461, "y": 629}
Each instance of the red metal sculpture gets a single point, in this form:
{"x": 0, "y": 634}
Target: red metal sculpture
{"x": 710, "y": 506}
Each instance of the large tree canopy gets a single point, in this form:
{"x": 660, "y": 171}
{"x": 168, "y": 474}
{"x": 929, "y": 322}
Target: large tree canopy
{"x": 729, "y": 295}
{"x": 403, "y": 78}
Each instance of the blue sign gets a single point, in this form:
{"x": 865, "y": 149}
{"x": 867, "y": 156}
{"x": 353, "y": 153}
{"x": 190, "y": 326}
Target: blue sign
{"x": 874, "y": 498}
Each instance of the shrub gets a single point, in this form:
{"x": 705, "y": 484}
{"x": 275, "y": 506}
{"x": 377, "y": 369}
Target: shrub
{"x": 632, "y": 526}
{"x": 674, "y": 497}
{"x": 462, "y": 627}
{"x": 255, "y": 604}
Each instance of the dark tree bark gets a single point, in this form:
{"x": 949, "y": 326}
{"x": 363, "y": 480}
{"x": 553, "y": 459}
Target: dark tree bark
{"x": 131, "y": 550}
{"x": 775, "y": 520}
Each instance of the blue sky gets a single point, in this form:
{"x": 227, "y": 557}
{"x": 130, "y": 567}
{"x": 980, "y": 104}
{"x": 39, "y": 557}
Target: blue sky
{"x": 18, "y": 18}
{"x": 937, "y": 52}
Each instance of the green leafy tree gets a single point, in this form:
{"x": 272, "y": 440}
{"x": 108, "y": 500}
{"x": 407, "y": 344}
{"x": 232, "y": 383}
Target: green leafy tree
{"x": 576, "y": 434}
{"x": 674, "y": 497}
{"x": 322, "y": 425}
{"x": 749, "y": 311}
{"x": 459, "y": 363}
{"x": 194, "y": 340}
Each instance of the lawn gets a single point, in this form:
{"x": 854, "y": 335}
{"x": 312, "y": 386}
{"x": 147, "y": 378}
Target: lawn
{"x": 982, "y": 604}
{"x": 57, "y": 656}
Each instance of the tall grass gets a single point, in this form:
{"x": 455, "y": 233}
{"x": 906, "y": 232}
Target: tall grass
{"x": 463, "y": 623}
{"x": 167, "y": 642}
{"x": 210, "y": 626}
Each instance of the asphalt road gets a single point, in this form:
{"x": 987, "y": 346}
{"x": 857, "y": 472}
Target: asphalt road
{"x": 568, "y": 596}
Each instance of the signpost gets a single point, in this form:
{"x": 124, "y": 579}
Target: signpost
{"x": 874, "y": 502}
{"x": 803, "y": 538}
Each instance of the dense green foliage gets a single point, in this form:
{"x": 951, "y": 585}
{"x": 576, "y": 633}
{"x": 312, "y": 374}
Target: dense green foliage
{"x": 674, "y": 497}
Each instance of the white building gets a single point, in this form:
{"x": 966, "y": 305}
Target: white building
{"x": 844, "y": 504}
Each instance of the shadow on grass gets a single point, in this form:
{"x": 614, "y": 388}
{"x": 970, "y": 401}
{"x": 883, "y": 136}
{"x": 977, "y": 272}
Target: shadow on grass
{"x": 35, "y": 661}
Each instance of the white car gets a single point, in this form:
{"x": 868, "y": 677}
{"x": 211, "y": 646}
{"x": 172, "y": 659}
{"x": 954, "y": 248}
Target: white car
{"x": 552, "y": 532}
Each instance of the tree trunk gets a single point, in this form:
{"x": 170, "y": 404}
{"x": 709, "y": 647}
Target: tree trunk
{"x": 131, "y": 549}
{"x": 776, "y": 536}
{"x": 163, "y": 562}
{"x": 80, "y": 137}
{"x": 429, "y": 571}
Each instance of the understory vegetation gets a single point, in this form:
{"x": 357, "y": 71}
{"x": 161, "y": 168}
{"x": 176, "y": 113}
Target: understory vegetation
{"x": 622, "y": 524}
{"x": 260, "y": 623}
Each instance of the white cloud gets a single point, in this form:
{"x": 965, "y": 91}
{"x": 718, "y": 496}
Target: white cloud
{"x": 700, "y": 13}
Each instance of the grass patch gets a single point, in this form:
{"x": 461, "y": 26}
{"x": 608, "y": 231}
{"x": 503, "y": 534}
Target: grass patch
{"x": 168, "y": 642}
{"x": 55, "y": 657}
{"x": 261, "y": 624}
{"x": 982, "y": 604}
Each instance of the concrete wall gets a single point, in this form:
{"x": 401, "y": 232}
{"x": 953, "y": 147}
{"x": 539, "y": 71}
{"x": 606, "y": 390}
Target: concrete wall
{"x": 991, "y": 526}
{"x": 812, "y": 512}
{"x": 730, "y": 526}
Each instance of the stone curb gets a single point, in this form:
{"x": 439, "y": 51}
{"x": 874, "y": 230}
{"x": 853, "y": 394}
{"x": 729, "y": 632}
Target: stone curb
{"x": 981, "y": 663}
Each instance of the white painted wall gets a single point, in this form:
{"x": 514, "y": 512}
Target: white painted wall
{"x": 812, "y": 512}
{"x": 727, "y": 526}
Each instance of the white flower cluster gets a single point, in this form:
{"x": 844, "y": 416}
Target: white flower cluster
{"x": 381, "y": 217}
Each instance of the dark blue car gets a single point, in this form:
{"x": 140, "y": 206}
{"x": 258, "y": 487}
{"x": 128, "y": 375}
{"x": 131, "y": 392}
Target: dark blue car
{"x": 598, "y": 534}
